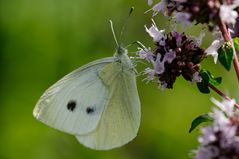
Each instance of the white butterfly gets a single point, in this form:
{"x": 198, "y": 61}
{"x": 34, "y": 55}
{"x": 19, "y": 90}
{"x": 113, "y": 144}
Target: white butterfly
{"x": 98, "y": 103}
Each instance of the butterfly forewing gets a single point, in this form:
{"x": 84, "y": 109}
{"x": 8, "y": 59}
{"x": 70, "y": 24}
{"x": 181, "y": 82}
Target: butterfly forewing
{"x": 76, "y": 102}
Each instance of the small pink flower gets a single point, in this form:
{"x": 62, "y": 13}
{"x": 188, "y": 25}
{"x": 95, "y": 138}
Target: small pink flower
{"x": 208, "y": 135}
{"x": 212, "y": 49}
{"x": 159, "y": 7}
{"x": 155, "y": 33}
{"x": 151, "y": 74}
{"x": 150, "y": 2}
{"x": 184, "y": 18}
{"x": 159, "y": 65}
{"x": 228, "y": 14}
{"x": 196, "y": 77}
{"x": 146, "y": 54}
{"x": 178, "y": 37}
{"x": 169, "y": 56}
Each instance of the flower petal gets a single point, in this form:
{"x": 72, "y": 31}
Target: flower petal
{"x": 150, "y": 72}
{"x": 196, "y": 77}
{"x": 159, "y": 65}
{"x": 159, "y": 7}
{"x": 150, "y": 2}
{"x": 228, "y": 14}
{"x": 169, "y": 56}
{"x": 156, "y": 34}
{"x": 183, "y": 18}
{"x": 145, "y": 54}
{"x": 212, "y": 49}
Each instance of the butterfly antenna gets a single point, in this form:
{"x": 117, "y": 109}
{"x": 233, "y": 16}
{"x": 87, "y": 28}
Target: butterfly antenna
{"x": 113, "y": 32}
{"x": 126, "y": 21}
{"x": 137, "y": 43}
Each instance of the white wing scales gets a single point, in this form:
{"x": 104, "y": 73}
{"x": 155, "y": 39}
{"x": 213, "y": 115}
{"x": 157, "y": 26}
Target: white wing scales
{"x": 120, "y": 121}
{"x": 82, "y": 87}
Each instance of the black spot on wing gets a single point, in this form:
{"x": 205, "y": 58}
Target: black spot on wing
{"x": 71, "y": 105}
{"x": 90, "y": 110}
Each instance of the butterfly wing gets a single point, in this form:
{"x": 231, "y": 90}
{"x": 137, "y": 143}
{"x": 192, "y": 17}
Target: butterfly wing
{"x": 120, "y": 120}
{"x": 75, "y": 103}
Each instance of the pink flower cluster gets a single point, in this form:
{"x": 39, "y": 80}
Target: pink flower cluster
{"x": 211, "y": 12}
{"x": 175, "y": 54}
{"x": 221, "y": 139}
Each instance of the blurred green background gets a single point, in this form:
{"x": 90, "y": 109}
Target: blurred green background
{"x": 41, "y": 41}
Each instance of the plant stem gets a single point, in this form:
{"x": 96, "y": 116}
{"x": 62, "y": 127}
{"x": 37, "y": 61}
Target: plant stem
{"x": 221, "y": 94}
{"x": 227, "y": 37}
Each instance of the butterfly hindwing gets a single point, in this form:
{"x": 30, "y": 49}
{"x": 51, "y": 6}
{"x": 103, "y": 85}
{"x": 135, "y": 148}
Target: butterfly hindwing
{"x": 120, "y": 120}
{"x": 75, "y": 103}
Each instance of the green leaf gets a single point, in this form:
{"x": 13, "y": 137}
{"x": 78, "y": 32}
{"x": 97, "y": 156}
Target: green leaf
{"x": 225, "y": 55}
{"x": 214, "y": 80}
{"x": 207, "y": 77}
{"x": 236, "y": 43}
{"x": 200, "y": 119}
{"x": 203, "y": 85}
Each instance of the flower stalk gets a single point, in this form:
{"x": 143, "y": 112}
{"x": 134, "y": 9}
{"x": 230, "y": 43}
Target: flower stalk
{"x": 222, "y": 94}
{"x": 227, "y": 38}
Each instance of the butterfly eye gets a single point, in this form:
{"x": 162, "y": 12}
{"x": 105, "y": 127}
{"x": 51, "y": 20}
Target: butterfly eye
{"x": 71, "y": 105}
{"x": 90, "y": 110}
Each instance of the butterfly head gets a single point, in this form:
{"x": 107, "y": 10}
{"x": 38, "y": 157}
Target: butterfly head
{"x": 121, "y": 50}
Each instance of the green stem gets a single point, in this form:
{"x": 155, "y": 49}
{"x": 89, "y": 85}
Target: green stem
{"x": 227, "y": 37}
{"x": 221, "y": 94}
